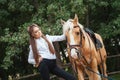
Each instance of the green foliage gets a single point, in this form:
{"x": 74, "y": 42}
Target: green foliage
{"x": 14, "y": 43}
{"x": 22, "y": 5}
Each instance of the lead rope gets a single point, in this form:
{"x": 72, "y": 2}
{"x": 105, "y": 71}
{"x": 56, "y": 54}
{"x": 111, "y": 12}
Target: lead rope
{"x": 88, "y": 68}
{"x": 100, "y": 58}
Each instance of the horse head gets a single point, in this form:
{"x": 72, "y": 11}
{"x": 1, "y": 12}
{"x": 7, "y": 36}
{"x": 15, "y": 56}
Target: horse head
{"x": 74, "y": 34}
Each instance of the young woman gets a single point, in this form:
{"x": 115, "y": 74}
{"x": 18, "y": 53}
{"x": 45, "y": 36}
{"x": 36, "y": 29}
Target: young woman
{"x": 42, "y": 54}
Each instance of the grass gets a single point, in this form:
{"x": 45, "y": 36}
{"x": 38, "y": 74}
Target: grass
{"x": 115, "y": 77}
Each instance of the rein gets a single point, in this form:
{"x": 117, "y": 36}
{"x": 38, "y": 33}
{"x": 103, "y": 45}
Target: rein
{"x": 79, "y": 52}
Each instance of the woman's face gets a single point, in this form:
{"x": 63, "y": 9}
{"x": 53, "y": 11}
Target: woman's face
{"x": 36, "y": 33}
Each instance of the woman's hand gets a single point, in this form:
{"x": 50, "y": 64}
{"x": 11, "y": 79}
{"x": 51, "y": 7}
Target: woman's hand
{"x": 39, "y": 60}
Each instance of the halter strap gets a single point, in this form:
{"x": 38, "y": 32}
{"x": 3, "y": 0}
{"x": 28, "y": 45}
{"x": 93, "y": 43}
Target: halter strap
{"x": 73, "y": 46}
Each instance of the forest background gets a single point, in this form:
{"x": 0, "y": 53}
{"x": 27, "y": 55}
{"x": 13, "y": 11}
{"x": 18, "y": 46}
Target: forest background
{"x": 101, "y": 16}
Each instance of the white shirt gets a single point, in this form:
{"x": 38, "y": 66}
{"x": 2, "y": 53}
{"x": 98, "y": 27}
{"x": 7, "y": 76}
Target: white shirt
{"x": 43, "y": 48}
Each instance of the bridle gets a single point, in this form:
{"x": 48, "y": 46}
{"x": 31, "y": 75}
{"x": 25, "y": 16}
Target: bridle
{"x": 80, "y": 46}
{"x": 80, "y": 56}
{"x": 77, "y": 50}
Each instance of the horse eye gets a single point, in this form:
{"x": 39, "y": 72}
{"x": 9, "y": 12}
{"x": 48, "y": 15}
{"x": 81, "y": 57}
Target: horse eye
{"x": 75, "y": 26}
{"x": 77, "y": 33}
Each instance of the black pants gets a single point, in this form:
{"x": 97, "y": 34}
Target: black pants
{"x": 49, "y": 66}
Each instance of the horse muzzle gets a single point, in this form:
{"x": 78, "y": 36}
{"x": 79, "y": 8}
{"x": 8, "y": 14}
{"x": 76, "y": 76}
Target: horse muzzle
{"x": 75, "y": 53}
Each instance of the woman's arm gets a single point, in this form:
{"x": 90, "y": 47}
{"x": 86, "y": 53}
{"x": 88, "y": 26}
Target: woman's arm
{"x": 31, "y": 59}
{"x": 56, "y": 38}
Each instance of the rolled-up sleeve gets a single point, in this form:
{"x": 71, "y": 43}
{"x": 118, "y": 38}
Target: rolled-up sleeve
{"x": 31, "y": 59}
{"x": 56, "y": 38}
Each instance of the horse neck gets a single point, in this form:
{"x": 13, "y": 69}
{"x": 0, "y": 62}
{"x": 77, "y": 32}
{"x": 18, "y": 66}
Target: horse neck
{"x": 88, "y": 42}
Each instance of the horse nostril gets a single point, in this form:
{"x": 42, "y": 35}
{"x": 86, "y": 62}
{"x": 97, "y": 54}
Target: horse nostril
{"x": 78, "y": 53}
{"x": 74, "y": 53}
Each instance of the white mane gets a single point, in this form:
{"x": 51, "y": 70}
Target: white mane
{"x": 69, "y": 25}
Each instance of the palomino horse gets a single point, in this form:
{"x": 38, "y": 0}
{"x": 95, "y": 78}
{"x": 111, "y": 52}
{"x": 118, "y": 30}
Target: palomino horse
{"x": 83, "y": 54}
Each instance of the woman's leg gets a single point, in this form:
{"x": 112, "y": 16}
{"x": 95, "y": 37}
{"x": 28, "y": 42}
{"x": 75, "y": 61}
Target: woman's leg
{"x": 61, "y": 73}
{"x": 44, "y": 71}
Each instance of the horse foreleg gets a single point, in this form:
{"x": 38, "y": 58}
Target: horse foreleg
{"x": 89, "y": 73}
{"x": 80, "y": 74}
{"x": 94, "y": 70}
{"x": 103, "y": 69}
{"x": 103, "y": 66}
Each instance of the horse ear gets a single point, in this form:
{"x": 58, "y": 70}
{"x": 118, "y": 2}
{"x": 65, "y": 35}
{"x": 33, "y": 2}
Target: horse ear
{"x": 62, "y": 22}
{"x": 76, "y": 18}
